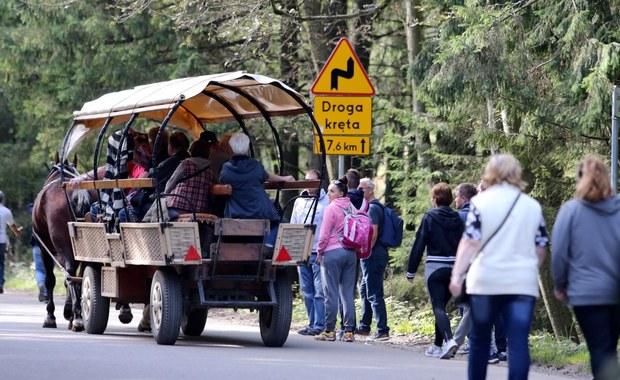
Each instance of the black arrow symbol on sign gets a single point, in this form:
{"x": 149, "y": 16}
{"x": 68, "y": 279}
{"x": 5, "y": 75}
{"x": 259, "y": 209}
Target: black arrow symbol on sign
{"x": 341, "y": 73}
{"x": 363, "y": 145}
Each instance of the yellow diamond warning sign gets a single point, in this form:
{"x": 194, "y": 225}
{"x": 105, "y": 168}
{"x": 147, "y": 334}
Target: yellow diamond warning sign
{"x": 343, "y": 74}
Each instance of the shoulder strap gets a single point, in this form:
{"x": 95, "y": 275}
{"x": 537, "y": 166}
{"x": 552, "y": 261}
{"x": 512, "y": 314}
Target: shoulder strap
{"x": 501, "y": 224}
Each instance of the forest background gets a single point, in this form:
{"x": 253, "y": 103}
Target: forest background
{"x": 456, "y": 81}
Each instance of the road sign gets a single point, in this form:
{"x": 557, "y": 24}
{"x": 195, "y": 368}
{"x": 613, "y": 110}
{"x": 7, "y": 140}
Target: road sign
{"x": 343, "y": 74}
{"x": 344, "y": 145}
{"x": 344, "y": 115}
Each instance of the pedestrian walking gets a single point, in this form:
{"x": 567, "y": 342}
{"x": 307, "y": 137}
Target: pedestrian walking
{"x": 508, "y": 229}
{"x": 439, "y": 234}
{"x": 6, "y": 219}
{"x": 586, "y": 264}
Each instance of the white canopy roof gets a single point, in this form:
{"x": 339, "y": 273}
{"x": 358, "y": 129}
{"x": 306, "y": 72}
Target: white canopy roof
{"x": 203, "y": 97}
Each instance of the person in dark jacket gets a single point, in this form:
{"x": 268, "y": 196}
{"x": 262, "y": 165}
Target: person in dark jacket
{"x": 585, "y": 264}
{"x": 439, "y": 234}
{"x": 247, "y": 175}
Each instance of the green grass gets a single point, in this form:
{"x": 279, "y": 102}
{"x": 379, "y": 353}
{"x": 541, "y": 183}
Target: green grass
{"x": 20, "y": 275}
{"x": 545, "y": 350}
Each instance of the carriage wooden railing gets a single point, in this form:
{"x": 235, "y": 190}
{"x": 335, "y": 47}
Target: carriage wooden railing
{"x": 215, "y": 189}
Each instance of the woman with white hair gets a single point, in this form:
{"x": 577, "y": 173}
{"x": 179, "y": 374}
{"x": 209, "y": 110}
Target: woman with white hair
{"x": 246, "y": 175}
{"x": 504, "y": 240}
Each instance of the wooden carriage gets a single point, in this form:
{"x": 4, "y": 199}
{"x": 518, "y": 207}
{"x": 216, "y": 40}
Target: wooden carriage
{"x": 185, "y": 267}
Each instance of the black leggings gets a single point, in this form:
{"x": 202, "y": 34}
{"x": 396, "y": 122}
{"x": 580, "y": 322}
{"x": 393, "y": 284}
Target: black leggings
{"x": 439, "y": 293}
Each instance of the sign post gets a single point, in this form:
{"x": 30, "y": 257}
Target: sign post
{"x": 343, "y": 105}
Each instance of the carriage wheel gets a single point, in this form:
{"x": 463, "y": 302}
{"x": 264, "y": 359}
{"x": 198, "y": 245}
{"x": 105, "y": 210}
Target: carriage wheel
{"x": 275, "y": 321}
{"x": 166, "y": 306}
{"x": 95, "y": 307}
{"x": 193, "y": 321}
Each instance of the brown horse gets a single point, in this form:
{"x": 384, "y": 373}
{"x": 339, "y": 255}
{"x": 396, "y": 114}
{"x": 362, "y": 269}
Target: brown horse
{"x": 53, "y": 208}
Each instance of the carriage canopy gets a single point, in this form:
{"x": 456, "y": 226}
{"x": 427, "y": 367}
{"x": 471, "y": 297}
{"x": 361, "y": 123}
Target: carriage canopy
{"x": 205, "y": 99}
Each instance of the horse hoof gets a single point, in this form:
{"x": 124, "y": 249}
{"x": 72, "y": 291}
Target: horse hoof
{"x": 49, "y": 325}
{"x": 125, "y": 315}
{"x": 77, "y": 325}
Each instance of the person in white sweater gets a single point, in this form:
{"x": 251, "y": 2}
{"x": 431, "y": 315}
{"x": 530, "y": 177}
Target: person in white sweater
{"x": 508, "y": 229}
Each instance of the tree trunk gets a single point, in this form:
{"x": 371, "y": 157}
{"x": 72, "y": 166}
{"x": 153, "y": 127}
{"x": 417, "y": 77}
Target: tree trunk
{"x": 289, "y": 55}
{"x": 413, "y": 31}
{"x": 560, "y": 317}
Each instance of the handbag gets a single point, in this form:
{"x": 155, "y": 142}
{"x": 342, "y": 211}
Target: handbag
{"x": 463, "y": 297}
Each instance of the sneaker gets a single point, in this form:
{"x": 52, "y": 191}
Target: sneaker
{"x": 348, "y": 337}
{"x": 502, "y": 356}
{"x": 363, "y": 332}
{"x": 326, "y": 335}
{"x": 305, "y": 331}
{"x": 1, "y": 290}
{"x": 434, "y": 351}
{"x": 464, "y": 349}
{"x": 340, "y": 334}
{"x": 449, "y": 349}
{"x": 379, "y": 336}
{"x": 493, "y": 358}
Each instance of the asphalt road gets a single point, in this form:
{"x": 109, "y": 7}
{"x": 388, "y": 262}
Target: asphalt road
{"x": 225, "y": 350}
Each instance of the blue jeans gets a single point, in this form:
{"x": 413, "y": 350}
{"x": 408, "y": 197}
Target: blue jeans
{"x": 39, "y": 269}
{"x": 338, "y": 276}
{"x": 601, "y": 328}
{"x": 517, "y": 311}
{"x": 311, "y": 288}
{"x": 2, "y": 252}
{"x": 371, "y": 292}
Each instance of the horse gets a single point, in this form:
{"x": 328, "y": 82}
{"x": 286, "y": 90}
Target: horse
{"x": 53, "y": 208}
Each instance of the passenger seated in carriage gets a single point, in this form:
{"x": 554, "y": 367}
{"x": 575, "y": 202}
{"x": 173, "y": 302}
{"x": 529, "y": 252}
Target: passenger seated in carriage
{"x": 176, "y": 151}
{"x": 246, "y": 175}
{"x": 188, "y": 188}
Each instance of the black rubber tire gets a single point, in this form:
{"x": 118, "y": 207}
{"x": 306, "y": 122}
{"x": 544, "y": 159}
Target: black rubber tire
{"x": 193, "y": 322}
{"x": 275, "y": 321}
{"x": 95, "y": 307}
{"x": 166, "y": 306}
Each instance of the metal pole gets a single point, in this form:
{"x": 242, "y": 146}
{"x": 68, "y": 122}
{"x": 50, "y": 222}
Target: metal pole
{"x": 614, "y": 140}
{"x": 340, "y": 166}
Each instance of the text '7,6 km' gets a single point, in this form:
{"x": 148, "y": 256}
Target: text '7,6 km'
{"x": 344, "y": 145}
{"x": 344, "y": 115}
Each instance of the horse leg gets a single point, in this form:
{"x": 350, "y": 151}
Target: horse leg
{"x": 50, "y": 283}
{"x": 75, "y": 323}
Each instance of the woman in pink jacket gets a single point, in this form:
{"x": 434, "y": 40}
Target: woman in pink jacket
{"x": 337, "y": 263}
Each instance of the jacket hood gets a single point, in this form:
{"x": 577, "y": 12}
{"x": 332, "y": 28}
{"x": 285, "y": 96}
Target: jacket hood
{"x": 357, "y": 197}
{"x": 342, "y": 202}
{"x": 242, "y": 164}
{"x": 609, "y": 206}
{"x": 446, "y": 217}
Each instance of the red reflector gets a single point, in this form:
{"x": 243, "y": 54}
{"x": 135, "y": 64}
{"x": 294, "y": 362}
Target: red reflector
{"x": 192, "y": 254}
{"x": 283, "y": 255}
